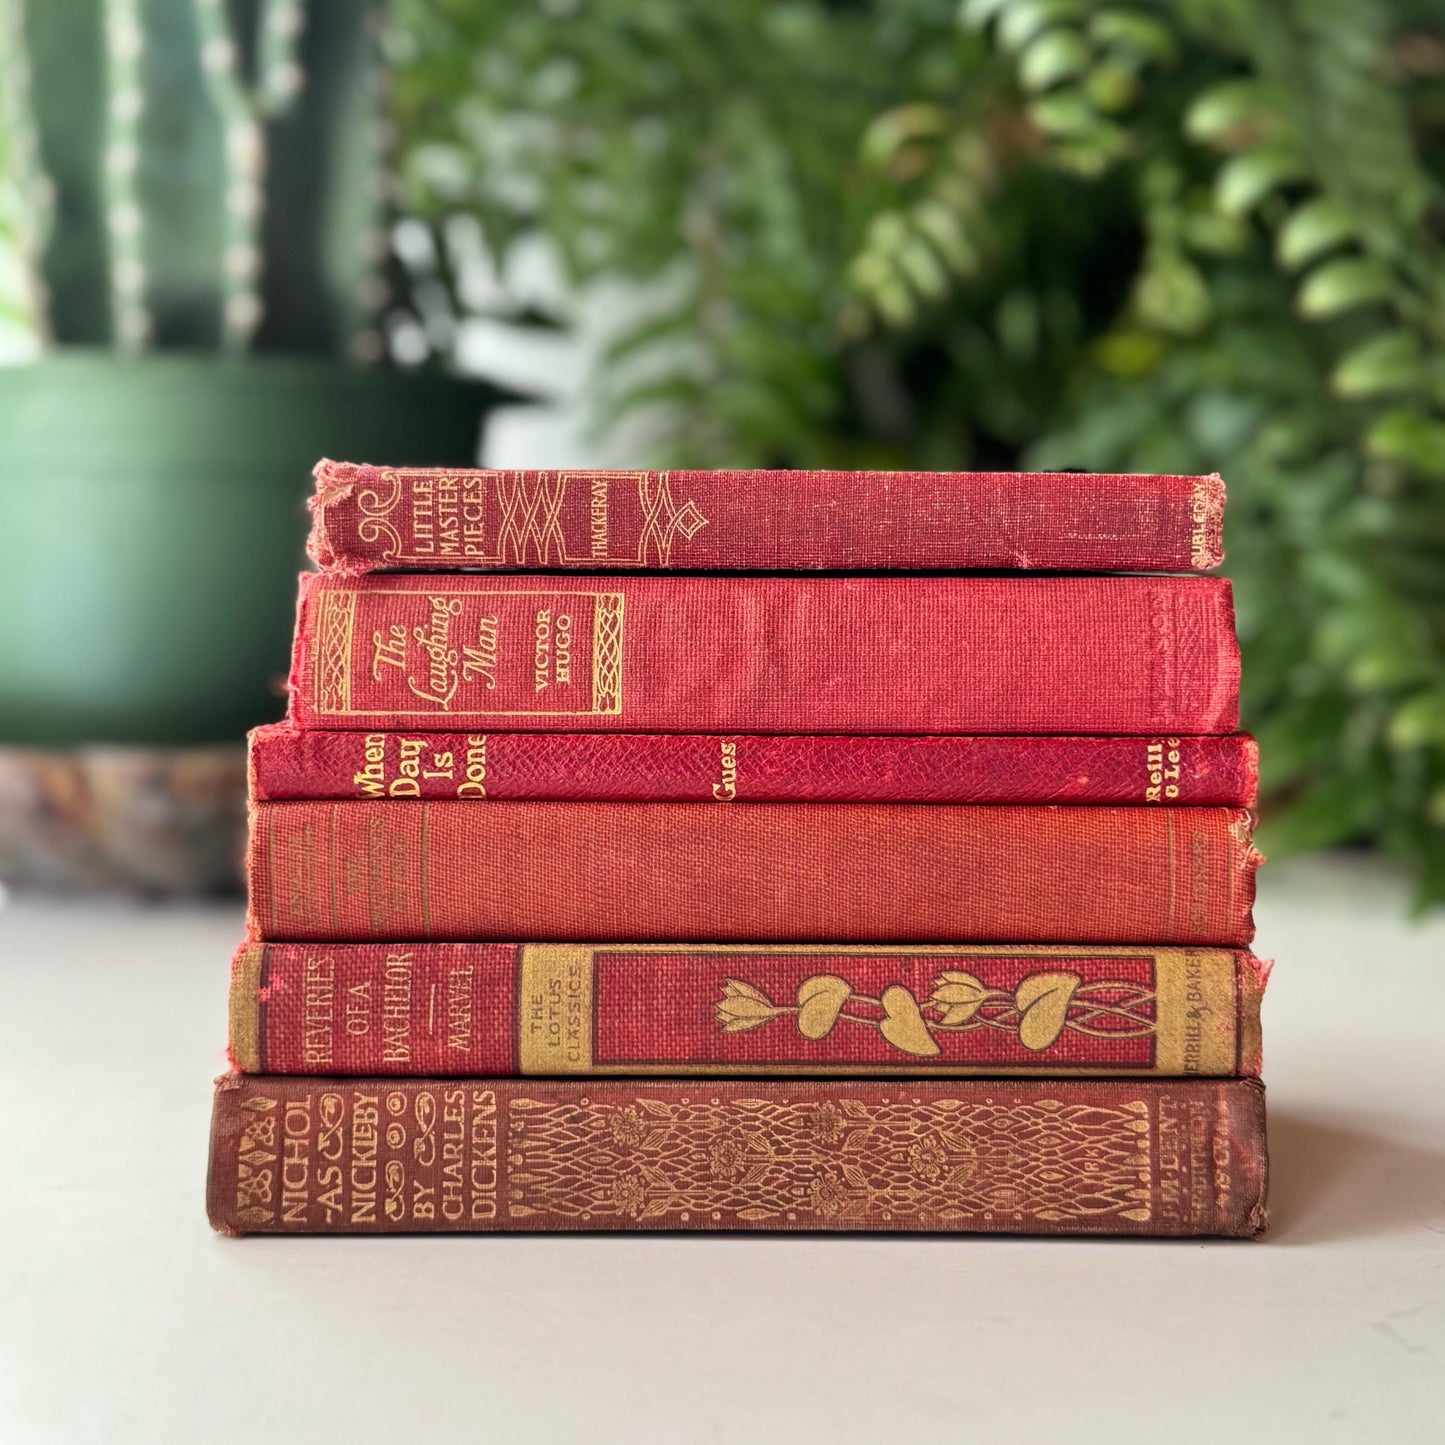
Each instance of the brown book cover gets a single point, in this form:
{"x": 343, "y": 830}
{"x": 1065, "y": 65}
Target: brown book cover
{"x": 372, "y": 1156}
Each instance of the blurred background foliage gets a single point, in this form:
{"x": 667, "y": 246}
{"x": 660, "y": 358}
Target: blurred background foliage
{"x": 1181, "y": 235}
{"x": 1184, "y": 236}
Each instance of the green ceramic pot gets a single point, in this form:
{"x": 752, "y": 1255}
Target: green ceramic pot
{"x": 152, "y": 522}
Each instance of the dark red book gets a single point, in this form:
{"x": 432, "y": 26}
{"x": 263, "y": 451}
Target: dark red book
{"x": 767, "y": 873}
{"x": 1154, "y": 656}
{"x": 1006, "y": 1156}
{"x": 366, "y": 517}
{"x": 289, "y": 763}
{"x": 503, "y": 1009}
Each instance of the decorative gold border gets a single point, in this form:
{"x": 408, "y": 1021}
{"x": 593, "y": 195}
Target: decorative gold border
{"x": 1195, "y": 986}
{"x": 520, "y": 503}
{"x": 331, "y": 659}
{"x": 607, "y": 653}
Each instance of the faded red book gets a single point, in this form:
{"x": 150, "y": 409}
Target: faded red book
{"x": 366, "y": 517}
{"x": 767, "y": 873}
{"x": 289, "y": 763}
{"x": 503, "y": 1009}
{"x": 1109, "y": 655}
{"x": 1026, "y": 1156}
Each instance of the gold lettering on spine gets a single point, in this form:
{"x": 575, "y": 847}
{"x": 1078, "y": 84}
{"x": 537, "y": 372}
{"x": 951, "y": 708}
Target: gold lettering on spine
{"x": 365, "y": 1146}
{"x": 370, "y": 778}
{"x": 453, "y": 1134}
{"x": 460, "y": 978}
{"x": 318, "y": 1011}
{"x": 474, "y": 767}
{"x": 554, "y": 1009}
{"x": 1198, "y": 1010}
{"x": 1204, "y": 502}
{"x": 396, "y": 1008}
{"x": 296, "y": 1160}
{"x": 726, "y": 789}
{"x": 597, "y": 518}
{"x": 482, "y": 1177}
{"x": 443, "y": 675}
{"x": 1162, "y": 770}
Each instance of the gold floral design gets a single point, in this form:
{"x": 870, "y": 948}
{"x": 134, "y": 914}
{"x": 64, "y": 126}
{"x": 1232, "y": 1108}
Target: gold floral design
{"x": 744, "y": 1007}
{"x": 1043, "y": 1008}
{"x": 629, "y": 1194}
{"x": 732, "y": 1157}
{"x": 626, "y": 1127}
{"x": 725, "y": 1158}
{"x": 826, "y": 1194}
{"x": 828, "y": 1124}
{"x": 927, "y": 1156}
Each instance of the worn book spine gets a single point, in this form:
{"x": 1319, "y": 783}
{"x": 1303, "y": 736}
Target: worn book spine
{"x": 500, "y": 1009}
{"x": 1153, "y": 656}
{"x": 769, "y": 873}
{"x": 288, "y": 763}
{"x": 367, "y": 517}
{"x": 1027, "y": 1156}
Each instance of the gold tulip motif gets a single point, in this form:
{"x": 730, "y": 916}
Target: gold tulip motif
{"x": 1039, "y": 1011}
{"x": 744, "y": 1007}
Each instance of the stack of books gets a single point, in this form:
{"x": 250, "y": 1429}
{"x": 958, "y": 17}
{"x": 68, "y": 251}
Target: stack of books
{"x": 751, "y": 850}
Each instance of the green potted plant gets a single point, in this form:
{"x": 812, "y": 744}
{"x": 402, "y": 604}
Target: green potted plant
{"x": 193, "y": 262}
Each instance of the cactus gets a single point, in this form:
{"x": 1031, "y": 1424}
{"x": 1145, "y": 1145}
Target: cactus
{"x": 191, "y": 173}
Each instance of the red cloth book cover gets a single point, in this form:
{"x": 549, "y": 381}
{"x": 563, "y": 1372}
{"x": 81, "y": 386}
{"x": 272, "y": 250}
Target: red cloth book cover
{"x": 366, "y": 517}
{"x": 289, "y": 763}
{"x": 1154, "y": 656}
{"x": 479, "y": 1009}
{"x": 766, "y": 873}
{"x": 1012, "y": 1156}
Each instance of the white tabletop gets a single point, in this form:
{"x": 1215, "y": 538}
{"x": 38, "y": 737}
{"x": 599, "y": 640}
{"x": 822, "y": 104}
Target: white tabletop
{"x": 124, "y": 1319}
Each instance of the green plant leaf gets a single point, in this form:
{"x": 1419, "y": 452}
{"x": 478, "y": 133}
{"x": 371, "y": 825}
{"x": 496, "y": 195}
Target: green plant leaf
{"x": 1419, "y": 721}
{"x": 1338, "y": 286}
{"x": 1312, "y": 229}
{"x": 1392, "y": 361}
{"x": 1406, "y": 436}
{"x": 1057, "y": 55}
{"x": 1065, "y": 113}
{"x": 1132, "y": 30}
{"x": 978, "y": 13}
{"x": 1231, "y": 108}
{"x": 1021, "y": 20}
{"x": 1245, "y": 180}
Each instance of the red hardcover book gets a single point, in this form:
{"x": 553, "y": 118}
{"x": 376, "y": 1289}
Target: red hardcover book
{"x": 502, "y": 1009}
{"x": 1008, "y": 1156}
{"x": 289, "y": 763}
{"x": 767, "y": 873}
{"x": 1109, "y": 655}
{"x": 368, "y": 517}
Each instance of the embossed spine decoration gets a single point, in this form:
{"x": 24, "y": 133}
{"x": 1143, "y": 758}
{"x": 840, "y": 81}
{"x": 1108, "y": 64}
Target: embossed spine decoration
{"x": 479, "y": 1009}
{"x": 1181, "y": 1157}
{"x": 294, "y": 764}
{"x": 366, "y": 518}
{"x": 1152, "y": 656}
{"x": 1041, "y": 1008}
